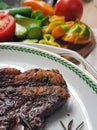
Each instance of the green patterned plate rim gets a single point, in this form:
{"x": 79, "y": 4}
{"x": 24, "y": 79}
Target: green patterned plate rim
{"x": 50, "y": 56}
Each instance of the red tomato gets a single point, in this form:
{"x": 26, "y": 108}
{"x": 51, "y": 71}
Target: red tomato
{"x": 71, "y": 9}
{"x": 7, "y": 26}
{"x": 3, "y": 13}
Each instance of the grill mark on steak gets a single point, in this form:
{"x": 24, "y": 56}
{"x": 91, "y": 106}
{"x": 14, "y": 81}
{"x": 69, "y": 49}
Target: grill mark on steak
{"x": 7, "y": 75}
{"x": 39, "y": 77}
{"x": 46, "y": 90}
{"x": 31, "y": 96}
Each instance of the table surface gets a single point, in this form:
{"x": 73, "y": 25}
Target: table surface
{"x": 90, "y": 18}
{"x": 90, "y": 13}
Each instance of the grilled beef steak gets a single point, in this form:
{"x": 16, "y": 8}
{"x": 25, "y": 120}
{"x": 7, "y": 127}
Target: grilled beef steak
{"x": 28, "y": 98}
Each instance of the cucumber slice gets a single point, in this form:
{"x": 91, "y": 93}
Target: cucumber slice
{"x": 30, "y": 41}
{"x": 25, "y": 21}
{"x": 34, "y": 31}
{"x": 20, "y": 31}
{"x": 25, "y": 11}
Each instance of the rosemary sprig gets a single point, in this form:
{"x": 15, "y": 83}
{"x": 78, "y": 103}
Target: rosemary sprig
{"x": 79, "y": 127}
{"x": 25, "y": 122}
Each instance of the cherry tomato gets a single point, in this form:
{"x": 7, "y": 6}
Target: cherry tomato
{"x": 7, "y": 26}
{"x": 71, "y": 9}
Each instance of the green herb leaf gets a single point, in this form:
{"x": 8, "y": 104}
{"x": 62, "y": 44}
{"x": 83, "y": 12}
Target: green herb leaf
{"x": 25, "y": 122}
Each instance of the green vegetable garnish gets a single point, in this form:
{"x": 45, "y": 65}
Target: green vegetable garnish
{"x": 34, "y": 31}
{"x": 20, "y": 31}
{"x": 49, "y": 40}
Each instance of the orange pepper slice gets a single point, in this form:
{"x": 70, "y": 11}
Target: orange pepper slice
{"x": 58, "y": 32}
{"x": 70, "y": 24}
{"x": 46, "y": 8}
{"x": 57, "y": 18}
{"x": 71, "y": 38}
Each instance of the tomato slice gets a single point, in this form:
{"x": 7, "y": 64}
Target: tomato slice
{"x": 3, "y": 13}
{"x": 7, "y": 26}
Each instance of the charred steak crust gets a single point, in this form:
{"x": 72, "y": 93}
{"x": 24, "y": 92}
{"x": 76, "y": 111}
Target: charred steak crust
{"x": 28, "y": 98}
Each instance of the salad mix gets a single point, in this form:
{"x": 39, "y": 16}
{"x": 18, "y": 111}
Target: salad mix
{"x": 36, "y": 21}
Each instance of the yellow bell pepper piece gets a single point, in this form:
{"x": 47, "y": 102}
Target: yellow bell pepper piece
{"x": 48, "y": 39}
{"x": 55, "y": 18}
{"x": 52, "y": 25}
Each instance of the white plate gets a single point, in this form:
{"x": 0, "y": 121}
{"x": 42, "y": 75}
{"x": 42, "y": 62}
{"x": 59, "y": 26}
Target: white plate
{"x": 83, "y": 101}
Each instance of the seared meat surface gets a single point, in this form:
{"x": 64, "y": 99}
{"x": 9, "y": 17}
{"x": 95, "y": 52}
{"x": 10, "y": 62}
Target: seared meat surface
{"x": 28, "y": 98}
{"x": 7, "y": 75}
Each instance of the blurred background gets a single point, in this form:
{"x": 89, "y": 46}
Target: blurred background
{"x": 90, "y": 13}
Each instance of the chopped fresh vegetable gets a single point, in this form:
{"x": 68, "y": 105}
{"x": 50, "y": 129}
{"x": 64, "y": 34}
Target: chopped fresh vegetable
{"x": 44, "y": 20}
{"x": 75, "y": 29}
{"x": 24, "y": 10}
{"x": 72, "y": 34}
{"x": 56, "y": 18}
{"x": 49, "y": 40}
{"x": 37, "y": 14}
{"x": 34, "y": 31}
{"x": 84, "y": 32}
{"x": 40, "y": 5}
{"x": 58, "y": 32}
{"x": 84, "y": 36}
{"x": 25, "y": 21}
{"x": 32, "y": 24}
{"x": 3, "y": 13}
{"x": 7, "y": 26}
{"x": 71, "y": 37}
{"x": 45, "y": 30}
{"x": 52, "y": 25}
{"x": 78, "y": 34}
{"x": 20, "y": 31}
{"x": 69, "y": 24}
